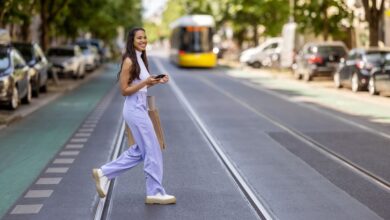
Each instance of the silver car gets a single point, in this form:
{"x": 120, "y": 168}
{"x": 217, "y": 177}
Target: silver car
{"x": 67, "y": 60}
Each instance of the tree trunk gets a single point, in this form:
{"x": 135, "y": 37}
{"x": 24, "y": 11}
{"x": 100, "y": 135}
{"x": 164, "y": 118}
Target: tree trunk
{"x": 373, "y": 17}
{"x": 374, "y": 29}
{"x": 25, "y": 30}
{"x": 326, "y": 20}
{"x": 44, "y": 27}
{"x": 255, "y": 35}
{"x": 240, "y": 37}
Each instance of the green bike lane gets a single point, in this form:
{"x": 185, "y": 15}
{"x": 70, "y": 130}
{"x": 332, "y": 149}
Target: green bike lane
{"x": 29, "y": 144}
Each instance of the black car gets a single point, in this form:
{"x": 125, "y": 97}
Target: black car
{"x": 318, "y": 59}
{"x": 354, "y": 72}
{"x": 380, "y": 78}
{"x": 14, "y": 74}
{"x": 37, "y": 60}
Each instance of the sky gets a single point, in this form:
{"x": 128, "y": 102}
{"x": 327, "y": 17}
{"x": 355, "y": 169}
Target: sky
{"x": 150, "y": 6}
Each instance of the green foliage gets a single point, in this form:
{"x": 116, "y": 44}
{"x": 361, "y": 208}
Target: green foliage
{"x": 174, "y": 10}
{"x": 70, "y": 18}
{"x": 16, "y": 11}
{"x": 99, "y": 17}
{"x": 322, "y": 17}
{"x": 152, "y": 31}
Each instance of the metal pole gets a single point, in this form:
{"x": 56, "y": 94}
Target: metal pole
{"x": 291, "y": 17}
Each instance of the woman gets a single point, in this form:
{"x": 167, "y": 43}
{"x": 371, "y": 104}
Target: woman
{"x": 134, "y": 79}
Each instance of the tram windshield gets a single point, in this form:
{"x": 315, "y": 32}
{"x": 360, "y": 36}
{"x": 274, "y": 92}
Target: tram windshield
{"x": 196, "y": 39}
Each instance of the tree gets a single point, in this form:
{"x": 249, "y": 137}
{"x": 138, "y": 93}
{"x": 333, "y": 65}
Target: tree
{"x": 271, "y": 14}
{"x": 172, "y": 12}
{"x": 17, "y": 13}
{"x": 322, "y": 17}
{"x": 49, "y": 9}
{"x": 98, "y": 17}
{"x": 373, "y": 13}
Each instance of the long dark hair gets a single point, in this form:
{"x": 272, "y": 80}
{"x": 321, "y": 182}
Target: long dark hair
{"x": 130, "y": 53}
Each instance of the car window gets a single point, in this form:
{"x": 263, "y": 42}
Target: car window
{"x": 387, "y": 58}
{"x": 4, "y": 58}
{"x": 309, "y": 50}
{"x": 17, "y": 59}
{"x": 271, "y": 46}
{"x": 26, "y": 51}
{"x": 39, "y": 52}
{"x": 352, "y": 55}
{"x": 327, "y": 50}
{"x": 61, "y": 52}
{"x": 376, "y": 57}
{"x": 77, "y": 51}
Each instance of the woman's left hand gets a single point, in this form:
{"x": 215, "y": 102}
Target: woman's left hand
{"x": 165, "y": 79}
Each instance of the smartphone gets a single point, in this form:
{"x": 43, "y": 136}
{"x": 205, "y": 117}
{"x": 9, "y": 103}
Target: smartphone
{"x": 159, "y": 76}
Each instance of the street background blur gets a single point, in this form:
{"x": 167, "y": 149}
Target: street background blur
{"x": 291, "y": 95}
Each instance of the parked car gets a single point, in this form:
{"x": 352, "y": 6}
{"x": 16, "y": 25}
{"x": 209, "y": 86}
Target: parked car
{"x": 318, "y": 59}
{"x": 67, "y": 60}
{"x": 380, "y": 78}
{"x": 98, "y": 44}
{"x": 258, "y": 56}
{"x": 354, "y": 72}
{"x": 91, "y": 56}
{"x": 37, "y": 60}
{"x": 14, "y": 74}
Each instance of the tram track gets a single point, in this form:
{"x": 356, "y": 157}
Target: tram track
{"x": 361, "y": 171}
{"x": 103, "y": 207}
{"x": 256, "y": 201}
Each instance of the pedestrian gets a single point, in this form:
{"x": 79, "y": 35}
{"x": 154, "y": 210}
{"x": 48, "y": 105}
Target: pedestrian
{"x": 134, "y": 79}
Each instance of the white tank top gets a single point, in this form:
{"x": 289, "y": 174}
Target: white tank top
{"x": 144, "y": 74}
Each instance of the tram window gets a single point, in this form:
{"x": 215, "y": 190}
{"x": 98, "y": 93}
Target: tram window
{"x": 196, "y": 39}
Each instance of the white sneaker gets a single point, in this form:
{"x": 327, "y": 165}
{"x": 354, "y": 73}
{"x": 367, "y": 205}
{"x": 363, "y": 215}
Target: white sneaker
{"x": 101, "y": 182}
{"x": 160, "y": 199}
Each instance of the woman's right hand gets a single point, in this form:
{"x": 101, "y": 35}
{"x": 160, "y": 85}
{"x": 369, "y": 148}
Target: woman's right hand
{"x": 150, "y": 81}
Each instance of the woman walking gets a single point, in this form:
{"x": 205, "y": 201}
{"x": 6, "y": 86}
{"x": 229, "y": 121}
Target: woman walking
{"x": 134, "y": 79}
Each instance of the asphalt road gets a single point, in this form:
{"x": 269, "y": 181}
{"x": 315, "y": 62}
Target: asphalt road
{"x": 299, "y": 159}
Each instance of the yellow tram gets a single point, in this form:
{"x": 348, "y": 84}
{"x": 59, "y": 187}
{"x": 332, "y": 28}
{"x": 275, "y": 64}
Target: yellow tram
{"x": 192, "y": 41}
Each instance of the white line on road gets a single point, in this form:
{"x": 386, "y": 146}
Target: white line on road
{"x": 57, "y": 170}
{"x": 79, "y": 140}
{"x": 27, "y": 209}
{"x": 70, "y": 153}
{"x": 82, "y": 134}
{"x": 38, "y": 193}
{"x": 74, "y": 146}
{"x": 48, "y": 180}
{"x": 63, "y": 161}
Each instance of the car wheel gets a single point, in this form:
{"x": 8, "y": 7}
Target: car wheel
{"x": 355, "y": 83}
{"x": 256, "y": 64}
{"x": 35, "y": 91}
{"x": 307, "y": 77}
{"x": 297, "y": 75}
{"x": 44, "y": 87}
{"x": 371, "y": 86}
{"x": 27, "y": 99}
{"x": 76, "y": 74}
{"x": 336, "y": 80}
{"x": 14, "y": 103}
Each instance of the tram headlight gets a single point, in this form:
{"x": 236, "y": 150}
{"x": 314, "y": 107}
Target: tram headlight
{"x": 216, "y": 50}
